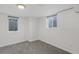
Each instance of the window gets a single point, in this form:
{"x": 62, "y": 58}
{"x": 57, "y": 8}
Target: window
{"x": 13, "y": 25}
{"x": 52, "y": 21}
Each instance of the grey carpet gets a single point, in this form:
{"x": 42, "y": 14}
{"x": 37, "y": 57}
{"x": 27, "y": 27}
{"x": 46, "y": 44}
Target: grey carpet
{"x": 35, "y": 47}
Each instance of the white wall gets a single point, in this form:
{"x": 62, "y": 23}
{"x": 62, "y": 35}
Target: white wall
{"x": 27, "y": 30}
{"x": 33, "y": 28}
{"x": 66, "y": 35}
{"x": 9, "y": 37}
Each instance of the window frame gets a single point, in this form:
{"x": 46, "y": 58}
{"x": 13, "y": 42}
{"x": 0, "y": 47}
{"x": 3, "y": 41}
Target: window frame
{"x": 15, "y": 23}
{"x": 54, "y": 22}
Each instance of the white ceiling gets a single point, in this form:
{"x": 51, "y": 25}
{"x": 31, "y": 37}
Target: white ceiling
{"x": 36, "y": 10}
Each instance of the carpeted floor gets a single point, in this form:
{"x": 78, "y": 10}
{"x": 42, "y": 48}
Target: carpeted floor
{"x": 35, "y": 47}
